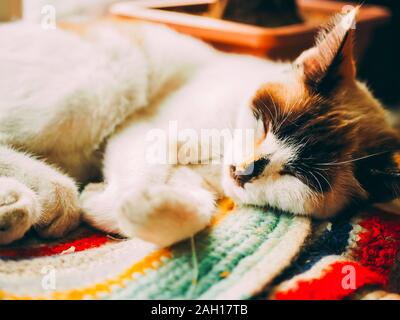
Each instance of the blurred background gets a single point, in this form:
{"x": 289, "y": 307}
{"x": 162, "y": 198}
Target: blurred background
{"x": 278, "y": 29}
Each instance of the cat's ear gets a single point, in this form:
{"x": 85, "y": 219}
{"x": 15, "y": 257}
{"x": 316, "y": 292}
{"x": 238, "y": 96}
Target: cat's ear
{"x": 379, "y": 172}
{"x": 330, "y": 63}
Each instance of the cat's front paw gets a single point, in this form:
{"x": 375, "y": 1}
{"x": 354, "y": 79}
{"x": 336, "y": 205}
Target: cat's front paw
{"x": 60, "y": 208}
{"x": 98, "y": 207}
{"x": 165, "y": 215}
{"x": 19, "y": 209}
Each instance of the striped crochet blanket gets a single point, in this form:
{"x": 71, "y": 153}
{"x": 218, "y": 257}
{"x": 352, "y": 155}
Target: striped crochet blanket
{"x": 246, "y": 253}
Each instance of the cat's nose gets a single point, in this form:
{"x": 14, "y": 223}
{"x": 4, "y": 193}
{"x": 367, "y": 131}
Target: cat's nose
{"x": 250, "y": 172}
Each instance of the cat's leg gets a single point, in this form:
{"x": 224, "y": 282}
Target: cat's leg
{"x": 33, "y": 194}
{"x": 167, "y": 213}
{"x": 156, "y": 201}
{"x": 162, "y": 213}
{"x": 99, "y": 202}
{"x": 125, "y": 170}
{"x": 19, "y": 209}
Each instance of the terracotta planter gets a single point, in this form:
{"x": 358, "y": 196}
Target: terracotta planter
{"x": 10, "y": 10}
{"x": 278, "y": 43}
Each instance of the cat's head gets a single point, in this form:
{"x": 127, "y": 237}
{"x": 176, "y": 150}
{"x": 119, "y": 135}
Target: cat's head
{"x": 322, "y": 140}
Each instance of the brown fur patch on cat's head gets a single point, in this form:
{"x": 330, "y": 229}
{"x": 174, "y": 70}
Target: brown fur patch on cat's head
{"x": 346, "y": 150}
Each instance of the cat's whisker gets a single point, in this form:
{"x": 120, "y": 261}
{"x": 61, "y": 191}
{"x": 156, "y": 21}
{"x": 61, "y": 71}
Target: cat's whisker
{"x": 292, "y": 108}
{"x": 305, "y": 176}
{"x": 317, "y": 180}
{"x": 314, "y": 167}
{"x": 321, "y": 175}
{"x": 195, "y": 265}
{"x": 323, "y": 169}
{"x": 303, "y": 144}
{"x": 287, "y": 116}
{"x": 351, "y": 160}
{"x": 269, "y": 111}
{"x": 290, "y": 112}
{"x": 275, "y": 108}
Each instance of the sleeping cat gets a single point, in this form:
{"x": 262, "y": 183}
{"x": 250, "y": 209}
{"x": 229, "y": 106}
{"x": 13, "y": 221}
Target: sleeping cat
{"x": 76, "y": 107}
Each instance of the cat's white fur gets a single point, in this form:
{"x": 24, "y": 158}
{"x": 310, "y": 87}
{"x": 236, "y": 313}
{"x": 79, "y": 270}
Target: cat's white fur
{"x": 271, "y": 186}
{"x": 86, "y": 104}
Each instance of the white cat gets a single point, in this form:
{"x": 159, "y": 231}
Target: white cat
{"x": 87, "y": 105}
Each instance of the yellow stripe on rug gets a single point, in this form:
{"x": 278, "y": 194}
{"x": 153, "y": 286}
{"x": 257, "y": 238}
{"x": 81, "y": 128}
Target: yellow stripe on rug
{"x": 151, "y": 261}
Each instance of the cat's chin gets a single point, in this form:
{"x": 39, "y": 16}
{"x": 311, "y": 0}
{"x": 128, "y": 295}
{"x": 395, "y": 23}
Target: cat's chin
{"x": 296, "y": 202}
{"x": 285, "y": 194}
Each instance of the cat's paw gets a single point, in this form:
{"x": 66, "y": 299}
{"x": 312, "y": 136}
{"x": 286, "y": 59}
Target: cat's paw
{"x": 98, "y": 207}
{"x": 19, "y": 209}
{"x": 165, "y": 215}
{"x": 60, "y": 208}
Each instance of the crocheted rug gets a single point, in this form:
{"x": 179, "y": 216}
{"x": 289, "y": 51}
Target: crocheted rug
{"x": 246, "y": 253}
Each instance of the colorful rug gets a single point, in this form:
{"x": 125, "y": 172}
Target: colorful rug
{"x": 246, "y": 253}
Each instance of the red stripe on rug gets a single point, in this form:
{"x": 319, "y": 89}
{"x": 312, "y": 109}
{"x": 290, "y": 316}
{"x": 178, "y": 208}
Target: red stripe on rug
{"x": 88, "y": 242}
{"x": 378, "y": 244}
{"x": 333, "y": 283}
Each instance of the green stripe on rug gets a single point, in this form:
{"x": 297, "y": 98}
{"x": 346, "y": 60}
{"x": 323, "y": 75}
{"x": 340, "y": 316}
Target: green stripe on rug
{"x": 225, "y": 254}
